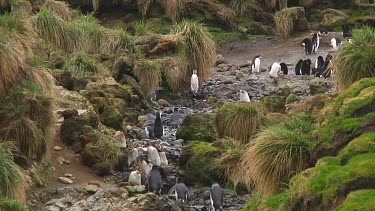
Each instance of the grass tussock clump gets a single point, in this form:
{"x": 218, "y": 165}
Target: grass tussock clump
{"x": 118, "y": 41}
{"x": 148, "y": 74}
{"x": 173, "y": 8}
{"x": 174, "y": 71}
{"x": 200, "y": 48}
{"x": 354, "y": 61}
{"x": 60, "y": 8}
{"x": 276, "y": 153}
{"x": 242, "y": 7}
{"x": 284, "y": 20}
{"x": 143, "y": 6}
{"x": 306, "y": 3}
{"x": 238, "y": 121}
{"x": 142, "y": 28}
{"x": 82, "y": 65}
{"x": 13, "y": 181}
{"x": 13, "y": 205}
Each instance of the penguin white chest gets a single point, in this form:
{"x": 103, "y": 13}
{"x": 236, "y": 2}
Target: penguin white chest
{"x": 256, "y": 65}
{"x": 153, "y": 155}
{"x": 194, "y": 83}
{"x": 244, "y": 96}
{"x": 135, "y": 177}
{"x": 275, "y": 70}
{"x": 132, "y": 156}
{"x": 163, "y": 159}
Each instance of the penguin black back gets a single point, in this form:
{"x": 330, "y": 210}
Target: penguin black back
{"x": 158, "y": 126}
{"x": 284, "y": 68}
{"x": 308, "y": 45}
{"x": 323, "y": 31}
{"x": 315, "y": 42}
{"x": 319, "y": 62}
{"x": 346, "y": 30}
{"x": 154, "y": 180}
{"x": 298, "y": 67}
{"x": 305, "y": 69}
{"x": 217, "y": 197}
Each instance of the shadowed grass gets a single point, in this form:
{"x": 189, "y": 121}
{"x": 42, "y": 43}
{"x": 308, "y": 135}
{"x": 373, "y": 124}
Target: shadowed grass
{"x": 173, "y": 8}
{"x": 148, "y": 74}
{"x": 60, "y": 8}
{"x": 118, "y": 41}
{"x": 142, "y": 28}
{"x": 143, "y": 6}
{"x": 82, "y": 65}
{"x": 356, "y": 60}
{"x": 238, "y": 121}
{"x": 306, "y": 3}
{"x": 275, "y": 155}
{"x": 242, "y": 7}
{"x": 174, "y": 71}
{"x": 13, "y": 181}
{"x": 284, "y": 21}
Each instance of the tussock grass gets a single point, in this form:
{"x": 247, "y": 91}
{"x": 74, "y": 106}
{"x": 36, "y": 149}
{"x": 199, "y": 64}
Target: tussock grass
{"x": 82, "y": 65}
{"x": 118, "y": 41}
{"x": 173, "y": 8}
{"x": 284, "y": 21}
{"x": 306, "y": 3}
{"x": 13, "y": 181}
{"x": 200, "y": 48}
{"x": 142, "y": 28}
{"x": 242, "y": 7}
{"x": 174, "y": 71}
{"x": 355, "y": 61}
{"x": 13, "y": 205}
{"x": 148, "y": 74}
{"x": 238, "y": 121}
{"x": 143, "y": 6}
{"x": 276, "y": 154}
{"x": 27, "y": 120}
{"x": 60, "y": 8}
{"x": 52, "y": 28}
{"x": 4, "y": 3}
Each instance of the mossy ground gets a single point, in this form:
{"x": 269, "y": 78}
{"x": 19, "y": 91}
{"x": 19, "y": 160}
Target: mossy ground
{"x": 197, "y": 127}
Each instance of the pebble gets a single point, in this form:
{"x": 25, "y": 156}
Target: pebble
{"x": 65, "y": 180}
{"x": 57, "y": 148}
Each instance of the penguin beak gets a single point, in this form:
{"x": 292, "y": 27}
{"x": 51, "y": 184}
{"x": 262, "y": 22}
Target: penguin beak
{"x": 261, "y": 57}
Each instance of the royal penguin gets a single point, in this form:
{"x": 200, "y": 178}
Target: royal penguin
{"x": 216, "y": 196}
{"x": 255, "y": 65}
{"x": 175, "y": 119}
{"x": 275, "y": 70}
{"x": 123, "y": 141}
{"x": 346, "y": 30}
{"x": 335, "y": 43}
{"x": 315, "y": 42}
{"x": 194, "y": 82}
{"x": 298, "y": 67}
{"x": 154, "y": 181}
{"x": 158, "y": 129}
{"x": 163, "y": 159}
{"x": 146, "y": 168}
{"x": 132, "y": 156}
{"x": 323, "y": 31}
{"x": 153, "y": 156}
{"x": 244, "y": 96}
{"x": 319, "y": 62}
{"x": 135, "y": 177}
{"x": 306, "y": 67}
{"x": 308, "y": 45}
{"x": 180, "y": 191}
{"x": 284, "y": 68}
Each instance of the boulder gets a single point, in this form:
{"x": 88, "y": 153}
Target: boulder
{"x": 219, "y": 59}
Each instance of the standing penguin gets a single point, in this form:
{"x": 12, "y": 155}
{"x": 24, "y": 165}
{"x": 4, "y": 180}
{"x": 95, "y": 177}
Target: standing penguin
{"x": 335, "y": 43}
{"x": 194, "y": 82}
{"x": 154, "y": 182}
{"x": 315, "y": 42}
{"x": 216, "y": 196}
{"x": 244, "y": 96}
{"x": 132, "y": 156}
{"x": 146, "y": 168}
{"x": 255, "y": 65}
{"x": 346, "y": 30}
{"x": 153, "y": 156}
{"x": 158, "y": 129}
{"x": 306, "y": 67}
{"x": 298, "y": 67}
{"x": 284, "y": 68}
{"x": 175, "y": 119}
{"x": 275, "y": 70}
{"x": 180, "y": 191}
{"x": 308, "y": 45}
{"x": 135, "y": 177}
{"x": 163, "y": 159}
{"x": 323, "y": 31}
{"x": 319, "y": 62}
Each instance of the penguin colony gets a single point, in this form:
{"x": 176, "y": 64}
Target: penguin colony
{"x": 147, "y": 162}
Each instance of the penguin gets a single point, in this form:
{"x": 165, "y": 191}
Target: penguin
{"x": 305, "y": 68}
{"x": 146, "y": 168}
{"x": 132, "y": 156}
{"x": 298, "y": 67}
{"x": 153, "y": 95}
{"x": 135, "y": 177}
{"x": 319, "y": 62}
{"x": 175, "y": 119}
{"x": 153, "y": 156}
{"x": 216, "y": 196}
{"x": 154, "y": 181}
{"x": 255, "y": 64}
{"x": 163, "y": 159}
{"x": 346, "y": 30}
{"x": 158, "y": 129}
{"x": 308, "y": 45}
{"x": 194, "y": 82}
{"x": 323, "y": 31}
{"x": 315, "y": 42}
{"x": 123, "y": 141}
{"x": 180, "y": 191}
{"x": 244, "y": 96}
{"x": 335, "y": 43}
{"x": 275, "y": 70}
{"x": 284, "y": 68}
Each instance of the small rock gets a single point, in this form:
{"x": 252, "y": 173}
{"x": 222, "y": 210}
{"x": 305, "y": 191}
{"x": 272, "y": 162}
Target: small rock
{"x": 136, "y": 189}
{"x": 66, "y": 162}
{"x": 239, "y": 75}
{"x": 132, "y": 199}
{"x": 219, "y": 59}
{"x": 68, "y": 175}
{"x": 60, "y": 205}
{"x": 91, "y": 188}
{"x": 125, "y": 195}
{"x": 52, "y": 202}
{"x": 57, "y": 148}
{"x": 164, "y": 103}
{"x": 65, "y": 180}
{"x": 142, "y": 118}
{"x": 252, "y": 77}
{"x": 241, "y": 29}
{"x": 53, "y": 208}
{"x": 221, "y": 78}
{"x": 224, "y": 67}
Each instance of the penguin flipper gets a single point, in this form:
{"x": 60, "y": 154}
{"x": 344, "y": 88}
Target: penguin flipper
{"x": 172, "y": 190}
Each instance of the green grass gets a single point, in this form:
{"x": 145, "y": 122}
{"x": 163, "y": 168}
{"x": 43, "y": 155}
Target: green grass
{"x": 220, "y": 36}
{"x": 142, "y": 28}
{"x": 360, "y": 145}
{"x": 358, "y": 200}
{"x": 11, "y": 205}
{"x": 82, "y": 65}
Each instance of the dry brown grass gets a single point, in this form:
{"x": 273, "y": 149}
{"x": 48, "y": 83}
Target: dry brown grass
{"x": 242, "y": 7}
{"x": 4, "y": 3}
{"x": 148, "y": 74}
{"x": 174, "y": 71}
{"x": 117, "y": 42}
{"x": 172, "y": 8}
{"x": 143, "y": 6}
{"x": 306, "y": 3}
{"x": 60, "y": 8}
{"x": 284, "y": 20}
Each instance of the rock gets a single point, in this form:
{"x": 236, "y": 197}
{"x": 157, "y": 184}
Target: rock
{"x": 332, "y": 18}
{"x": 57, "y": 148}
{"x": 65, "y": 180}
{"x": 142, "y": 118}
{"x": 219, "y": 59}
{"x": 53, "y": 208}
{"x": 135, "y": 102}
{"x": 136, "y": 189}
{"x": 91, "y": 188}
{"x": 133, "y": 199}
{"x": 224, "y": 67}
{"x": 164, "y": 103}
{"x": 60, "y": 205}
{"x": 241, "y": 29}
{"x": 239, "y": 75}
{"x": 252, "y": 77}
{"x": 258, "y": 28}
{"x": 68, "y": 175}
{"x": 125, "y": 195}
